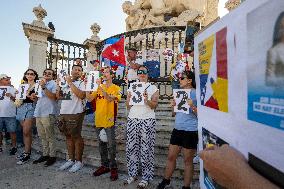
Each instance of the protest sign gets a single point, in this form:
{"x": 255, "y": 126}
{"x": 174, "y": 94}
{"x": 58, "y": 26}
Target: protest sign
{"x": 181, "y": 96}
{"x": 137, "y": 90}
{"x": 91, "y": 84}
{"x": 22, "y": 91}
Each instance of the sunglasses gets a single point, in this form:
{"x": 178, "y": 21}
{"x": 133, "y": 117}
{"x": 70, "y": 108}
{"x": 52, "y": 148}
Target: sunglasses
{"x": 139, "y": 72}
{"x": 47, "y": 73}
{"x": 32, "y": 74}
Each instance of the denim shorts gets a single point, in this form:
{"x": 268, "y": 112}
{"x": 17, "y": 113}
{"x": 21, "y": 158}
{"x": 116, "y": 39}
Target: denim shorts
{"x": 8, "y": 122}
{"x": 25, "y": 111}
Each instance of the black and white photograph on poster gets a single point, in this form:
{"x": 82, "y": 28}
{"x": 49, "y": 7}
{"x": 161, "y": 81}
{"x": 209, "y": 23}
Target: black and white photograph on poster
{"x": 137, "y": 90}
{"x": 22, "y": 91}
{"x": 38, "y": 89}
{"x": 3, "y": 91}
{"x": 209, "y": 139}
{"x": 92, "y": 77}
{"x": 62, "y": 74}
{"x": 181, "y": 96}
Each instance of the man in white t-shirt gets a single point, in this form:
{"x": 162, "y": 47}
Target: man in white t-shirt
{"x": 71, "y": 119}
{"x": 7, "y": 111}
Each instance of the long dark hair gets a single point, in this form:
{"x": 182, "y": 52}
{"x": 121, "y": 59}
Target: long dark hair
{"x": 277, "y": 30}
{"x": 190, "y": 75}
{"x": 36, "y": 75}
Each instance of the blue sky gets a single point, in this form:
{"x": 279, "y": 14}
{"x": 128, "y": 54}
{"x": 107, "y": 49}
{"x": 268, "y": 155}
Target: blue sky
{"x": 72, "y": 20}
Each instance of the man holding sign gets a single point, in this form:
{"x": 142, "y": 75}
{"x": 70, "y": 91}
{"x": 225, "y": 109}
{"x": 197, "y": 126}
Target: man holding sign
{"x": 106, "y": 98}
{"x": 7, "y": 111}
{"x": 45, "y": 111}
{"x": 142, "y": 100}
{"x": 184, "y": 135}
{"x": 71, "y": 119}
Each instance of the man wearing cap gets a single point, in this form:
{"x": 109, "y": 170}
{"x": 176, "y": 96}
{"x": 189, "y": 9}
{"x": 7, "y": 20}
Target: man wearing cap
{"x": 132, "y": 65}
{"x": 7, "y": 111}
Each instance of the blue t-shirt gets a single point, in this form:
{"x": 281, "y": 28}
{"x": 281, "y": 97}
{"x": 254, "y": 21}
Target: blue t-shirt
{"x": 45, "y": 106}
{"x": 187, "y": 122}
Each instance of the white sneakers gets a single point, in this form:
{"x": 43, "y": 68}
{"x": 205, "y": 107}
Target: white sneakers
{"x": 77, "y": 165}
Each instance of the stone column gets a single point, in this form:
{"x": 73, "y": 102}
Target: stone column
{"x": 91, "y": 44}
{"x": 37, "y": 34}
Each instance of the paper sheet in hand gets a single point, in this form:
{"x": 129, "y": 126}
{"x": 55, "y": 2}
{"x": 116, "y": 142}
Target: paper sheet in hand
{"x": 38, "y": 89}
{"x": 3, "y": 91}
{"x": 181, "y": 97}
{"x": 62, "y": 74}
{"x": 91, "y": 84}
{"x": 137, "y": 90}
{"x": 22, "y": 91}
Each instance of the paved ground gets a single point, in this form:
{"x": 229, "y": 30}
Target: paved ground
{"x": 29, "y": 176}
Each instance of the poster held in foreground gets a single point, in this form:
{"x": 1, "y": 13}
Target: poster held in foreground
{"x": 239, "y": 76}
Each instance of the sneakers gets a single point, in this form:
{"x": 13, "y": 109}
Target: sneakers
{"x": 24, "y": 158}
{"x": 13, "y": 151}
{"x": 101, "y": 170}
{"x": 76, "y": 167}
{"x": 50, "y": 161}
{"x": 66, "y": 165}
{"x": 41, "y": 159}
{"x": 113, "y": 174}
{"x": 164, "y": 184}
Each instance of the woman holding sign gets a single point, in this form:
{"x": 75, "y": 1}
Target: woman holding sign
{"x": 142, "y": 100}
{"x": 184, "y": 136}
{"x": 25, "y": 113}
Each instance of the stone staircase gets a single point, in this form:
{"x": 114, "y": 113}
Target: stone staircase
{"x": 164, "y": 127}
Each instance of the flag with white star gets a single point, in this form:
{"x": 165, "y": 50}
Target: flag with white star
{"x": 115, "y": 52}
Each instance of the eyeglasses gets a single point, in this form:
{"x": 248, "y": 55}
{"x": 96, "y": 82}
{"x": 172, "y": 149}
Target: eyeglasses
{"x": 32, "y": 74}
{"x": 139, "y": 72}
{"x": 47, "y": 73}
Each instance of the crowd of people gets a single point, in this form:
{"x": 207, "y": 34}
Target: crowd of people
{"x": 51, "y": 110}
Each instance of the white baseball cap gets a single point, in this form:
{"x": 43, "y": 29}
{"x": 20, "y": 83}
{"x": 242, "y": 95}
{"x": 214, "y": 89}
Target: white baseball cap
{"x": 4, "y": 76}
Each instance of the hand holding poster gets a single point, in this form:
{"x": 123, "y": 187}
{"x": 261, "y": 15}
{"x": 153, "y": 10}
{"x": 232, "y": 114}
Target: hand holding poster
{"x": 137, "y": 90}
{"x": 3, "y": 91}
{"x": 38, "y": 89}
{"x": 22, "y": 91}
{"x": 181, "y": 97}
{"x": 62, "y": 74}
{"x": 91, "y": 84}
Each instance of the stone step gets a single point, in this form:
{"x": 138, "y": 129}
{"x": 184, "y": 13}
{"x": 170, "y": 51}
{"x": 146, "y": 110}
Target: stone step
{"x": 161, "y": 145}
{"x": 91, "y": 157}
{"x": 162, "y": 132}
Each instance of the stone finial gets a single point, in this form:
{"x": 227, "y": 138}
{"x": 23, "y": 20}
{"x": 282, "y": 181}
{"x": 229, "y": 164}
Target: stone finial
{"x": 40, "y": 14}
{"x": 95, "y": 29}
{"x": 232, "y": 4}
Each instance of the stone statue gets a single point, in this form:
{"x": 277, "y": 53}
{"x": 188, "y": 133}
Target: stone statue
{"x": 95, "y": 29}
{"x": 180, "y": 12}
{"x": 136, "y": 17}
{"x": 40, "y": 14}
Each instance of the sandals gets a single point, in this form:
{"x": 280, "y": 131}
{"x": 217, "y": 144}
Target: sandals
{"x": 142, "y": 184}
{"x": 129, "y": 180}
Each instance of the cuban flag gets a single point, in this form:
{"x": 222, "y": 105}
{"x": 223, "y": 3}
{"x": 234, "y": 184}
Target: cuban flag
{"x": 114, "y": 52}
